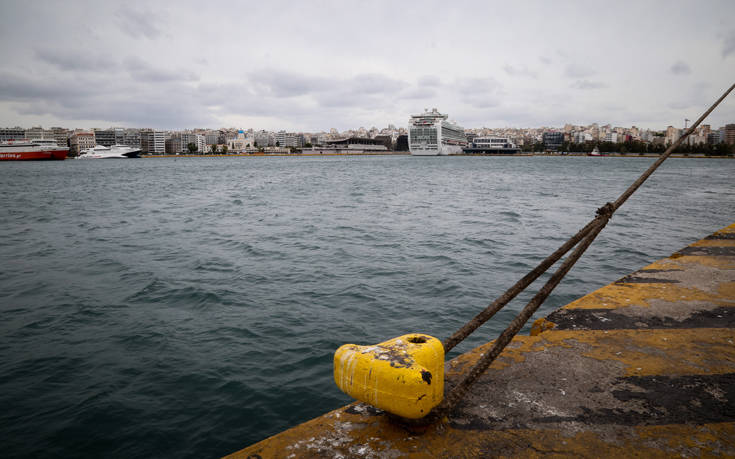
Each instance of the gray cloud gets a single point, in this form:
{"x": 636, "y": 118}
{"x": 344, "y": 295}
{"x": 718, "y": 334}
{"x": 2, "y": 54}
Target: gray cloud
{"x": 472, "y": 86}
{"x": 429, "y": 80}
{"x": 278, "y": 83}
{"x": 419, "y": 93}
{"x": 728, "y": 45}
{"x": 693, "y": 96}
{"x": 577, "y": 70}
{"x": 139, "y": 22}
{"x": 74, "y": 61}
{"x": 483, "y": 101}
{"x": 679, "y": 105}
{"x": 369, "y": 87}
{"x": 680, "y": 68}
{"x": 519, "y": 71}
{"x": 15, "y": 87}
{"x": 586, "y": 84}
{"x": 374, "y": 83}
{"x": 144, "y": 72}
{"x": 265, "y": 64}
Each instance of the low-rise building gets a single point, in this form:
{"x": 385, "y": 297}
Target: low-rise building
{"x": 104, "y": 137}
{"x": 80, "y": 140}
{"x": 729, "y": 137}
{"x": 16, "y": 133}
{"x": 60, "y": 135}
{"x": 552, "y": 140}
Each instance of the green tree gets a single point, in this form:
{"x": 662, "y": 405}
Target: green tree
{"x": 192, "y": 147}
{"x": 224, "y": 149}
{"x": 213, "y": 149}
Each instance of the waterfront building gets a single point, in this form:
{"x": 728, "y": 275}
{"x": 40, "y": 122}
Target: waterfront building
{"x": 16, "y": 133}
{"x": 552, "y": 140}
{"x": 200, "y": 143}
{"x": 672, "y": 135}
{"x": 36, "y": 132}
{"x": 242, "y": 142}
{"x": 152, "y": 142}
{"x": 211, "y": 137}
{"x": 179, "y": 143}
{"x": 729, "y": 137}
{"x": 713, "y": 137}
{"x": 280, "y": 138}
{"x": 263, "y": 139}
{"x": 60, "y": 135}
{"x": 290, "y": 140}
{"x": 350, "y": 146}
{"x": 104, "y": 137}
{"x": 130, "y": 138}
{"x": 611, "y": 137}
{"x": 386, "y": 140}
{"x": 174, "y": 145}
{"x": 80, "y": 140}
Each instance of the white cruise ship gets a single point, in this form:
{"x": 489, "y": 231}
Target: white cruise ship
{"x": 431, "y": 134}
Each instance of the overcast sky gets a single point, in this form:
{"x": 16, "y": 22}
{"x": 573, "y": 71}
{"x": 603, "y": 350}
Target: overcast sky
{"x": 316, "y": 65}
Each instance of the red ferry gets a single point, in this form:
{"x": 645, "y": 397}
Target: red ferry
{"x": 29, "y": 150}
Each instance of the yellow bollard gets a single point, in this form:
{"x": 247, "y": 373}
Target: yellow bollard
{"x": 404, "y": 375}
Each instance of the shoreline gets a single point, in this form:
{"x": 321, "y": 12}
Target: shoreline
{"x": 400, "y": 153}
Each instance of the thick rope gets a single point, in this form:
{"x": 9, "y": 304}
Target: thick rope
{"x": 586, "y": 235}
{"x": 519, "y": 286}
{"x": 460, "y": 390}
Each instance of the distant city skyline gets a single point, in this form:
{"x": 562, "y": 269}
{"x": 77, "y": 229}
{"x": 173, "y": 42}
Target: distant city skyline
{"x": 312, "y": 66}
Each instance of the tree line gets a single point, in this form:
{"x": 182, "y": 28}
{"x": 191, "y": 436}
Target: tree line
{"x": 636, "y": 147}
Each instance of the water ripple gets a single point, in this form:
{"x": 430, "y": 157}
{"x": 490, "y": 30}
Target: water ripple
{"x": 191, "y": 307}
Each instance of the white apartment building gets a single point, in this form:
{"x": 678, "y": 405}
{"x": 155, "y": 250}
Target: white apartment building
{"x": 153, "y": 142}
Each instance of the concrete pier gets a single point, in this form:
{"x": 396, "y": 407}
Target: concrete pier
{"x": 642, "y": 367}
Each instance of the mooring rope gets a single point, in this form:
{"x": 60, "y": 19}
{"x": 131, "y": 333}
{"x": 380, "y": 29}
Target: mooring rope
{"x": 581, "y": 241}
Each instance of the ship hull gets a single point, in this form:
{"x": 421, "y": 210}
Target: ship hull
{"x": 443, "y": 151}
{"x": 41, "y": 155}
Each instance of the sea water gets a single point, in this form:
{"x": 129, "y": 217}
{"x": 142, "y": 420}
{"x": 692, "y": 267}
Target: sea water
{"x": 191, "y": 307}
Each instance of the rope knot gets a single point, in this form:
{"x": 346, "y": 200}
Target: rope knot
{"x": 605, "y": 211}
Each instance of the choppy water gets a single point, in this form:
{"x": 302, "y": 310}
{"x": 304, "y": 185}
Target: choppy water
{"x": 191, "y": 307}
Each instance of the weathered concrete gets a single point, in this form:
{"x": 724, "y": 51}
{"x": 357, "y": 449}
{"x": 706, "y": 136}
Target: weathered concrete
{"x": 642, "y": 367}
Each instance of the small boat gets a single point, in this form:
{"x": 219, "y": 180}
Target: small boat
{"x": 595, "y": 152}
{"x": 113, "y": 152}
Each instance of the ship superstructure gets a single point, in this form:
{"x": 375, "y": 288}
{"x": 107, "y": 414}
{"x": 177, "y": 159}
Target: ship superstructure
{"x": 432, "y": 134}
{"x": 492, "y": 145}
